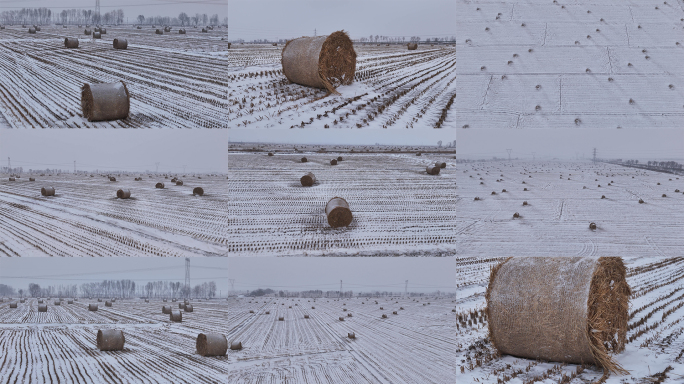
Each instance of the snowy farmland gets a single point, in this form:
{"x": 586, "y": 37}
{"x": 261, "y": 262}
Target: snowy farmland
{"x": 175, "y": 80}
{"x": 654, "y": 349}
{"x": 561, "y": 200}
{"x": 569, "y": 64}
{"x": 59, "y": 345}
{"x": 85, "y": 217}
{"x": 397, "y": 208}
{"x": 393, "y": 88}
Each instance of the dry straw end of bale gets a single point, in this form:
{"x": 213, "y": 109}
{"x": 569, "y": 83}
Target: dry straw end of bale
{"x": 338, "y": 212}
{"x": 308, "y": 180}
{"x": 159, "y": 185}
{"x": 212, "y": 344}
{"x": 321, "y": 62}
{"x": 572, "y": 310}
{"x": 412, "y": 46}
{"x": 110, "y": 340}
{"x": 198, "y": 191}
{"x": 47, "y": 191}
{"x": 107, "y": 101}
{"x": 123, "y": 193}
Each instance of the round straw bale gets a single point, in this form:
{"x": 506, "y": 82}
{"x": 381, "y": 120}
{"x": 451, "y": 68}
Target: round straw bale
{"x": 106, "y": 101}
{"x": 103, "y": 31}
{"x": 181, "y": 32}
{"x": 166, "y": 309}
{"x": 47, "y": 191}
{"x": 42, "y": 307}
{"x": 159, "y": 185}
{"x": 40, "y": 301}
{"x": 236, "y": 345}
{"x": 571, "y": 310}
{"x": 138, "y": 27}
{"x": 516, "y": 215}
{"x": 176, "y": 316}
{"x": 338, "y": 212}
{"x": 92, "y": 307}
{"x": 268, "y": 312}
{"x": 187, "y": 307}
{"x": 384, "y": 316}
{"x": 204, "y": 30}
{"x": 70, "y": 42}
{"x": 159, "y": 32}
{"x": 22, "y": 300}
{"x": 87, "y": 31}
{"x": 120, "y": 43}
{"x": 13, "y": 304}
{"x": 179, "y": 182}
{"x": 351, "y": 335}
{"x": 96, "y": 29}
{"x": 108, "y": 303}
{"x": 198, "y": 191}
{"x": 211, "y": 344}
{"x": 308, "y": 180}
{"x": 339, "y": 158}
{"x": 394, "y": 313}
{"x": 97, "y": 35}
{"x": 592, "y": 226}
{"x": 147, "y": 300}
{"x": 412, "y": 46}
{"x": 123, "y": 193}
{"x": 306, "y": 316}
{"x": 167, "y": 29}
{"x": 441, "y": 165}
{"x": 181, "y": 305}
{"x": 32, "y": 179}
{"x": 37, "y": 28}
{"x": 70, "y": 301}
{"x": 321, "y": 62}
{"x": 32, "y": 30}
{"x": 281, "y": 318}
{"x": 333, "y": 162}
{"x": 432, "y": 170}
{"x": 110, "y": 340}
{"x": 12, "y": 179}
{"x": 173, "y": 300}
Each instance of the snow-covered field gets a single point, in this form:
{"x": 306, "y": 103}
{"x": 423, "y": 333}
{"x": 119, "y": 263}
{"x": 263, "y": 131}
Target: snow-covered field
{"x": 415, "y": 346}
{"x": 392, "y": 88}
{"x": 174, "y": 80}
{"x": 85, "y": 218}
{"x": 398, "y": 208}
{"x": 655, "y": 343}
{"x": 555, "y": 221}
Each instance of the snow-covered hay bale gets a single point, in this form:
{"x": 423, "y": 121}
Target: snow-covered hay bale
{"x": 333, "y": 162}
{"x": 179, "y": 182}
{"x": 304, "y": 160}
{"x": 107, "y": 101}
{"x": 571, "y": 310}
{"x": 12, "y": 179}
{"x": 432, "y": 170}
{"x": 181, "y": 31}
{"x": 412, "y": 46}
{"x": 32, "y": 179}
{"x": 97, "y": 35}
{"x": 308, "y": 180}
{"x": 166, "y": 309}
{"x": 441, "y": 165}
{"x": 338, "y": 212}
{"x": 13, "y": 304}
{"x": 87, "y": 31}
{"x": 42, "y": 307}
{"x": 159, "y": 32}
{"x": 103, "y": 31}
{"x": 236, "y": 345}
{"x": 70, "y": 301}
{"x": 211, "y": 344}
{"x": 37, "y": 28}
{"x": 70, "y": 42}
{"x": 47, "y": 191}
{"x": 120, "y": 43}
{"x": 198, "y": 191}
{"x": 187, "y": 308}
{"x": 32, "y": 30}
{"x": 110, "y": 340}
{"x": 108, "y": 303}
{"x": 159, "y": 185}
{"x": 204, "y": 30}
{"x": 123, "y": 193}
{"x": 176, "y": 316}
{"x": 351, "y": 335}
{"x": 92, "y": 307}
{"x": 321, "y": 62}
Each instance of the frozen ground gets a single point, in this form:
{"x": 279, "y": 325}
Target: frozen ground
{"x": 656, "y": 346}
{"x": 398, "y": 208}
{"x": 416, "y": 345}
{"x": 555, "y": 222}
{"x": 85, "y": 218}
{"x": 392, "y": 88}
{"x": 568, "y": 64}
{"x": 174, "y": 80}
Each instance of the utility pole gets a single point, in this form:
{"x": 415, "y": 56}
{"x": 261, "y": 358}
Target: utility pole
{"x": 232, "y": 286}
{"x": 184, "y": 169}
{"x": 157, "y": 164}
{"x": 9, "y": 165}
{"x": 533, "y": 157}
{"x": 187, "y": 275}
{"x": 340, "y": 288}
{"x": 74, "y": 166}
{"x": 406, "y": 289}
{"x": 594, "y": 155}
{"x": 509, "y": 153}
{"x": 314, "y": 32}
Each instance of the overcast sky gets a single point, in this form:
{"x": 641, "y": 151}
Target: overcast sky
{"x": 425, "y": 274}
{"x": 132, "y": 8}
{"x": 19, "y": 272}
{"x": 201, "y": 150}
{"x": 278, "y": 19}
{"x": 646, "y": 144}
{"x": 344, "y": 136}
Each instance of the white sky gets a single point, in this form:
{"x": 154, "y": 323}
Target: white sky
{"x": 425, "y": 274}
{"x": 652, "y": 144}
{"x": 19, "y": 272}
{"x": 201, "y": 150}
{"x": 277, "y": 19}
{"x": 343, "y": 136}
{"x": 131, "y": 8}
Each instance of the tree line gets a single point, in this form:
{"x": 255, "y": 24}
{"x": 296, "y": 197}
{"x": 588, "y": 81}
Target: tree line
{"x": 115, "y": 288}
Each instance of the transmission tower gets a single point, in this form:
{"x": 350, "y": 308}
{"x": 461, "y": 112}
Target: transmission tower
{"x": 74, "y": 166}
{"x": 340, "y": 288}
{"x": 594, "y": 155}
{"x": 232, "y": 286}
{"x": 187, "y": 275}
{"x": 9, "y": 165}
{"x": 509, "y": 153}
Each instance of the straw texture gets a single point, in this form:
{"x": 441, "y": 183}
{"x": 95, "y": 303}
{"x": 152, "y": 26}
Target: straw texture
{"x": 572, "y": 310}
{"x": 211, "y": 344}
{"x": 110, "y": 340}
{"x": 412, "y": 46}
{"x": 107, "y": 101}
{"x": 308, "y": 180}
{"x": 320, "y": 62}
{"x": 338, "y": 212}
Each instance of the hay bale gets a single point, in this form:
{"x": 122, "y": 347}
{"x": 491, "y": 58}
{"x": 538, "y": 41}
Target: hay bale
{"x": 333, "y": 162}
{"x": 204, "y": 30}
{"x": 432, "y": 170}
{"x": 120, "y": 43}
{"x": 516, "y": 215}
{"x": 32, "y": 30}
{"x": 211, "y": 344}
{"x": 158, "y": 32}
{"x": 70, "y": 42}
{"x": 198, "y": 191}
{"x": 40, "y": 301}
{"x": 338, "y": 212}
{"x": 176, "y": 316}
{"x": 12, "y": 179}
{"x": 236, "y": 345}
{"x": 281, "y": 318}
{"x": 97, "y": 35}
{"x": 103, "y": 31}
{"x": 181, "y": 32}
{"x": 32, "y": 179}
{"x": 13, "y": 304}
{"x": 179, "y": 182}
{"x": 187, "y": 308}
{"x": 339, "y": 158}
{"x": 108, "y": 303}
{"x": 308, "y": 180}
{"x": 110, "y": 340}
{"x": 166, "y": 309}
{"x": 70, "y": 301}
{"x": 123, "y": 193}
{"x": 147, "y": 300}
{"x": 181, "y": 305}
{"x": 42, "y": 307}
{"x": 571, "y": 310}
{"x": 167, "y": 29}
{"x": 138, "y": 27}
{"x": 351, "y": 335}
{"x": 306, "y": 316}
{"x": 384, "y": 316}
{"x": 87, "y": 31}
{"x": 592, "y": 226}
{"x": 159, "y": 185}
{"x": 47, "y": 191}
{"x": 412, "y": 46}
{"x": 440, "y": 165}
{"x": 92, "y": 307}
{"x": 322, "y": 62}
{"x": 106, "y": 101}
